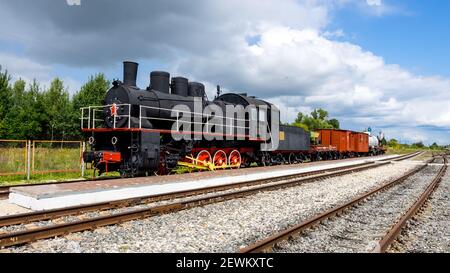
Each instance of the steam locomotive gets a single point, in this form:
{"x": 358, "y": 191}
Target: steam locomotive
{"x": 145, "y": 131}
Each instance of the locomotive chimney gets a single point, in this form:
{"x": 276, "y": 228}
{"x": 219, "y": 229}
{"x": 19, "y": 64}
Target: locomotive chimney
{"x": 159, "y": 81}
{"x": 130, "y": 73}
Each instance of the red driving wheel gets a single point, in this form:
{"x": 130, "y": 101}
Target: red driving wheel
{"x": 220, "y": 159}
{"x": 235, "y": 159}
{"x": 203, "y": 156}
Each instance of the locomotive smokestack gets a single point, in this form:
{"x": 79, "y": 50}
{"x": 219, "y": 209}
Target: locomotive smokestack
{"x": 130, "y": 73}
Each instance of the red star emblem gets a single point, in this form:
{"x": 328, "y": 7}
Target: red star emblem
{"x": 113, "y": 109}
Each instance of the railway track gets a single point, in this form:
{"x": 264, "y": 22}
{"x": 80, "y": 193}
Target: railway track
{"x": 115, "y": 216}
{"x": 428, "y": 230}
{"x": 403, "y": 157}
{"x": 5, "y": 190}
{"x": 290, "y": 240}
{"x": 395, "y": 230}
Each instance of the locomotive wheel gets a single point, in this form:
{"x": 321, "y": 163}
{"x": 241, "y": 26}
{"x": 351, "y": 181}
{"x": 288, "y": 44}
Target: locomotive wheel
{"x": 261, "y": 161}
{"x": 220, "y": 159}
{"x": 292, "y": 159}
{"x": 203, "y": 156}
{"x": 245, "y": 161}
{"x": 265, "y": 160}
{"x": 235, "y": 159}
{"x": 280, "y": 159}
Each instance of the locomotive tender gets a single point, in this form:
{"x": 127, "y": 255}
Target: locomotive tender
{"x": 144, "y": 131}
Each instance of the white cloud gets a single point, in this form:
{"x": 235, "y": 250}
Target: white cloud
{"x": 334, "y": 34}
{"x": 373, "y": 2}
{"x": 28, "y": 70}
{"x": 378, "y": 8}
{"x": 22, "y": 67}
{"x": 293, "y": 62}
{"x": 88, "y": 36}
{"x": 302, "y": 69}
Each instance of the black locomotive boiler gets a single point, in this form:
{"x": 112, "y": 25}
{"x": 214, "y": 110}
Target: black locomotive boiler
{"x": 136, "y": 132}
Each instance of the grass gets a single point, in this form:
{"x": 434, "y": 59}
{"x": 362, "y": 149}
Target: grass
{"x": 424, "y": 156}
{"x": 12, "y": 160}
{"x": 39, "y": 178}
{"x": 400, "y": 151}
{"x": 428, "y": 152}
{"x": 56, "y": 159}
{"x": 46, "y": 158}
{"x": 49, "y": 177}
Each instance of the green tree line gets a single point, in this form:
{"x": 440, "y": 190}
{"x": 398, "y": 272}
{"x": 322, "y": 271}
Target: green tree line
{"x": 318, "y": 119}
{"x": 393, "y": 143}
{"x": 33, "y": 112}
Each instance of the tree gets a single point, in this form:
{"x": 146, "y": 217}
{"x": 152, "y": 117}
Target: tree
{"x": 335, "y": 123}
{"x": 57, "y": 109}
{"x": 13, "y": 119}
{"x": 301, "y": 125}
{"x": 434, "y": 146}
{"x": 319, "y": 114}
{"x": 24, "y": 119}
{"x": 5, "y": 101}
{"x": 393, "y": 143}
{"x": 300, "y": 118}
{"x": 317, "y": 120}
{"x": 91, "y": 93}
{"x": 33, "y": 113}
{"x": 418, "y": 145}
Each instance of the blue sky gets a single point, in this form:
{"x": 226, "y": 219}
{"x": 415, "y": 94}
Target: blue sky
{"x": 377, "y": 63}
{"x": 415, "y": 35}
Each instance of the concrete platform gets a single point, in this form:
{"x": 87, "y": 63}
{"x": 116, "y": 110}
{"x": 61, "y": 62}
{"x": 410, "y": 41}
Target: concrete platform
{"x": 44, "y": 197}
{"x": 7, "y": 208}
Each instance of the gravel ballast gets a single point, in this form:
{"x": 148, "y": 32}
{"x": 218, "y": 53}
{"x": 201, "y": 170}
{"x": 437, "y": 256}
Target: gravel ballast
{"x": 226, "y": 226}
{"x": 429, "y": 230}
{"x": 360, "y": 228}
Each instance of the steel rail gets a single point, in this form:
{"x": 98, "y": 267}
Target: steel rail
{"x": 270, "y": 242}
{"x": 25, "y": 236}
{"x": 5, "y": 190}
{"x": 29, "y": 217}
{"x": 408, "y": 156}
{"x": 395, "y": 230}
{"x": 24, "y": 218}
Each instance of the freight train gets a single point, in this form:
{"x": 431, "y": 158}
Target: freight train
{"x": 150, "y": 131}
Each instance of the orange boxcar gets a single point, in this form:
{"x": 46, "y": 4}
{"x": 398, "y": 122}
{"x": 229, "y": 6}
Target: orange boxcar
{"x": 337, "y": 138}
{"x": 344, "y": 141}
{"x": 352, "y": 143}
{"x": 361, "y": 142}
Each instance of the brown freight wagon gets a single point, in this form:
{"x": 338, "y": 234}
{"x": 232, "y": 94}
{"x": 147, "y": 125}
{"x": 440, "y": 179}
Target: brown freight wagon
{"x": 352, "y": 143}
{"x": 361, "y": 142}
{"x": 337, "y": 138}
{"x": 347, "y": 143}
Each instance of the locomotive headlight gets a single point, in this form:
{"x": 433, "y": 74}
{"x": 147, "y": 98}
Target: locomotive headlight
{"x": 114, "y": 140}
{"x": 91, "y": 140}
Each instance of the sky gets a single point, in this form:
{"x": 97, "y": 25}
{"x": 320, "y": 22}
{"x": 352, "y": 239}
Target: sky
{"x": 371, "y": 63}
